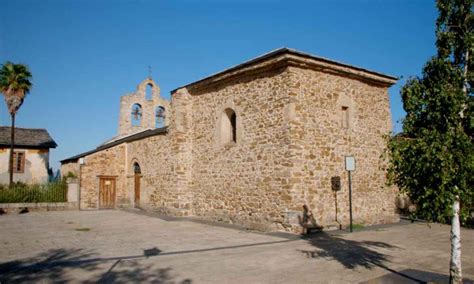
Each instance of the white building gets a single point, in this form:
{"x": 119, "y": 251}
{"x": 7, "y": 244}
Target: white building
{"x": 31, "y": 155}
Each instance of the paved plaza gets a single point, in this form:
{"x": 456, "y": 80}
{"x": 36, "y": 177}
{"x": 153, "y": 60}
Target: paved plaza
{"x": 119, "y": 246}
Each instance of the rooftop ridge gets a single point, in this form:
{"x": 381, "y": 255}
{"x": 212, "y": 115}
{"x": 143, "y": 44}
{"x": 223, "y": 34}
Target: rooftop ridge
{"x": 384, "y": 78}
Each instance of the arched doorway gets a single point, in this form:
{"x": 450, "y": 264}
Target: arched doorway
{"x": 137, "y": 172}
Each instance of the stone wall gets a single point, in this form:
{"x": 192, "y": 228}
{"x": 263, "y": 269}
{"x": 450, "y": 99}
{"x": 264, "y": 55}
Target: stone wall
{"x": 156, "y": 162}
{"x": 335, "y": 117}
{"x": 181, "y": 143}
{"x": 71, "y": 166}
{"x": 39, "y": 206}
{"x": 295, "y": 125}
{"x": 245, "y": 182}
{"x": 36, "y": 166}
{"x": 108, "y": 162}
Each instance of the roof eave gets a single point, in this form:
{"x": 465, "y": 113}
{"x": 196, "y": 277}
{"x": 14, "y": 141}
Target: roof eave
{"x": 296, "y": 56}
{"x": 137, "y": 136}
{"x": 42, "y": 146}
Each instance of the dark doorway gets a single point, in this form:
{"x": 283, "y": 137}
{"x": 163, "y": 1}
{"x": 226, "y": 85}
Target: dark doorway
{"x": 137, "y": 173}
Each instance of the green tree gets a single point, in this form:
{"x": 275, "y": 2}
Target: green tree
{"x": 432, "y": 160}
{"x": 14, "y": 84}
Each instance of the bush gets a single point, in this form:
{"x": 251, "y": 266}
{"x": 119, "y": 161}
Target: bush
{"x": 69, "y": 175}
{"x": 29, "y": 193}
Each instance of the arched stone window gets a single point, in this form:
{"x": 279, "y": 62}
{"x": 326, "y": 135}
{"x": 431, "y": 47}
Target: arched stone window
{"x": 160, "y": 116}
{"x": 346, "y": 111}
{"x": 228, "y": 127}
{"x": 137, "y": 113}
{"x": 345, "y": 118}
{"x": 136, "y": 168}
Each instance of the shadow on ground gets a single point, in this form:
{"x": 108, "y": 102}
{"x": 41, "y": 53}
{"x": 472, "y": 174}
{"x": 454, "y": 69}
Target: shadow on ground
{"x": 368, "y": 254}
{"x": 412, "y": 276}
{"x": 349, "y": 253}
{"x": 64, "y": 265}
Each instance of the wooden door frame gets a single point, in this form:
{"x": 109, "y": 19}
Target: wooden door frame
{"x": 135, "y": 176}
{"x": 114, "y": 179}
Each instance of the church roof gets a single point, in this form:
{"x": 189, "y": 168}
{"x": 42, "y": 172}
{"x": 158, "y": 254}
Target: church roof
{"x": 295, "y": 57}
{"x": 27, "y": 138}
{"x": 114, "y": 142}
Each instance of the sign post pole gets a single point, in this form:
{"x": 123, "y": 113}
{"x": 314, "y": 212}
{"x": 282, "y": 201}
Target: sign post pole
{"x": 350, "y": 166}
{"x": 350, "y": 200}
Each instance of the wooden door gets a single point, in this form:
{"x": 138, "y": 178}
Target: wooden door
{"x": 137, "y": 189}
{"x": 107, "y": 193}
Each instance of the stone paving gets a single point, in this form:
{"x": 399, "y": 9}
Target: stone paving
{"x": 119, "y": 246}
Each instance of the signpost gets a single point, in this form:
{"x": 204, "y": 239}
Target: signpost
{"x": 350, "y": 166}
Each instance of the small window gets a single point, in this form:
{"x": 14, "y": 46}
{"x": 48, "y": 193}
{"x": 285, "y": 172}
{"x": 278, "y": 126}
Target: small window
{"x": 148, "y": 92}
{"x": 136, "y": 114}
{"x": 136, "y": 168}
{"x": 233, "y": 123}
{"x": 345, "y": 117}
{"x": 160, "y": 116}
{"x": 18, "y": 162}
{"x": 228, "y": 127}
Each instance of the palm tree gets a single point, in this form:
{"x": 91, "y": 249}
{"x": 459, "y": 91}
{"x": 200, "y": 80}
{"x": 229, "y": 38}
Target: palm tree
{"x": 14, "y": 84}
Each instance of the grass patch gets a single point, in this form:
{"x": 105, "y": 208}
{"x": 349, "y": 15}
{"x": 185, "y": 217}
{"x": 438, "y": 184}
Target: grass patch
{"x": 83, "y": 229}
{"x": 357, "y": 226}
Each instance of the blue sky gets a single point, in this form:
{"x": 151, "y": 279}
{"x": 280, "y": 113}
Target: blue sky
{"x": 85, "y": 54}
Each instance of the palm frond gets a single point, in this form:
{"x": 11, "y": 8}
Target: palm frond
{"x": 15, "y": 84}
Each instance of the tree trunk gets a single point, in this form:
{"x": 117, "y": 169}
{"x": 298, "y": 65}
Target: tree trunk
{"x": 455, "y": 268}
{"x": 455, "y": 272}
{"x": 12, "y": 142}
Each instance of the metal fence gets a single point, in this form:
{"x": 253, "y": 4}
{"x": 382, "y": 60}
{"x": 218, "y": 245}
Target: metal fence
{"x": 25, "y": 193}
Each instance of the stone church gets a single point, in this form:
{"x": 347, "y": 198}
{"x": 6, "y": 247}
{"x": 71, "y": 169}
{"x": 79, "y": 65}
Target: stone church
{"x": 250, "y": 145}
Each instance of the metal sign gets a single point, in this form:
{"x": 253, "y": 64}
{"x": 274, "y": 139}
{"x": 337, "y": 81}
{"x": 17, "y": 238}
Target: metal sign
{"x": 336, "y": 183}
{"x": 350, "y": 163}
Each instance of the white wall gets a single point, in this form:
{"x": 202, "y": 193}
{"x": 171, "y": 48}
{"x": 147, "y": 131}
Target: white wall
{"x": 36, "y": 166}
